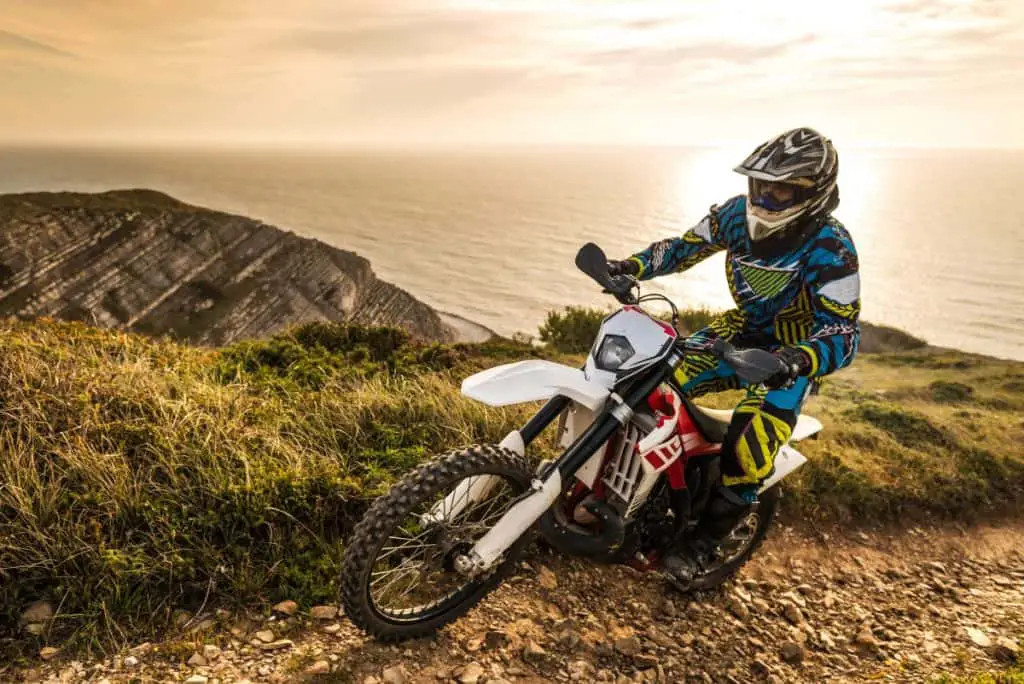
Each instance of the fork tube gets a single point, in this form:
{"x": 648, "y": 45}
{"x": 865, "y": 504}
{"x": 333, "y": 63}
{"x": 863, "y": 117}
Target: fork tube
{"x": 543, "y": 418}
{"x": 614, "y": 416}
{"x": 546, "y": 489}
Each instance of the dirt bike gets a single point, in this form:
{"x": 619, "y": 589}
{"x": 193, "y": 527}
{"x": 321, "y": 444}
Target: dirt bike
{"x": 637, "y": 469}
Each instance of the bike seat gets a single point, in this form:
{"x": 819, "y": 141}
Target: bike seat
{"x": 723, "y": 416}
{"x": 712, "y": 423}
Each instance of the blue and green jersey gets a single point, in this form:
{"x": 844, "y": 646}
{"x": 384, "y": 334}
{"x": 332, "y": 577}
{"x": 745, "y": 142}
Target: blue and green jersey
{"x": 807, "y": 297}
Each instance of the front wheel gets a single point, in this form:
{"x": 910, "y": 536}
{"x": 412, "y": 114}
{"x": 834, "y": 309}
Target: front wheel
{"x": 741, "y": 544}
{"x": 398, "y": 578}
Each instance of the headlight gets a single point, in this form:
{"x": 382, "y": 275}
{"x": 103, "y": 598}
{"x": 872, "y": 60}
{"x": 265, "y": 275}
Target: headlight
{"x": 615, "y": 350}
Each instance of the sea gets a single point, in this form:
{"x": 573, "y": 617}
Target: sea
{"x": 489, "y": 234}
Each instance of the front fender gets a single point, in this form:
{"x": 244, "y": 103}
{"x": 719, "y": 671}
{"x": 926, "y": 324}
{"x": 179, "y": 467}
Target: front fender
{"x": 527, "y": 381}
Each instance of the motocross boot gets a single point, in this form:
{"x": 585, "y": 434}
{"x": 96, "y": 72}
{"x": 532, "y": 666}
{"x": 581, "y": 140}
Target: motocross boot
{"x": 697, "y": 553}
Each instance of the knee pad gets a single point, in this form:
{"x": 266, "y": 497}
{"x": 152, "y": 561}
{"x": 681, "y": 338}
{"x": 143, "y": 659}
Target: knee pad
{"x": 731, "y": 466}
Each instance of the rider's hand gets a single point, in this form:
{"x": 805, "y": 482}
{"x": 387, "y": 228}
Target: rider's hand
{"x": 625, "y": 267}
{"x": 794, "y": 363}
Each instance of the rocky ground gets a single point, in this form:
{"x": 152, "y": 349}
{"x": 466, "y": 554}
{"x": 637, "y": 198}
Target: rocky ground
{"x": 812, "y": 607}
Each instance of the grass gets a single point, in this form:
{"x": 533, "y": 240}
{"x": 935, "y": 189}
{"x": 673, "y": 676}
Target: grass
{"x": 1014, "y": 675}
{"x": 139, "y": 476}
{"x": 924, "y": 433}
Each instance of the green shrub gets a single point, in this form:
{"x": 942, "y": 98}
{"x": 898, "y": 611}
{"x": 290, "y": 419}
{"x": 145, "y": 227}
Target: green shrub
{"x": 1014, "y": 675}
{"x": 950, "y": 392}
{"x": 339, "y": 338}
{"x": 906, "y": 427}
{"x": 317, "y": 354}
{"x": 133, "y": 480}
{"x": 876, "y": 338}
{"x": 572, "y": 330}
{"x": 692, "y": 320}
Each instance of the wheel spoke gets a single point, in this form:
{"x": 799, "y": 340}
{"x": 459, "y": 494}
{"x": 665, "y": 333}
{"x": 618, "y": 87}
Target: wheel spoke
{"x": 403, "y": 572}
{"x": 737, "y": 542}
{"x": 411, "y": 573}
{"x": 391, "y": 550}
{"x": 488, "y": 515}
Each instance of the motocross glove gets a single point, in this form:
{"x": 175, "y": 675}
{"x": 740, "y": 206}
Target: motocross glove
{"x": 795, "y": 363}
{"x": 625, "y": 267}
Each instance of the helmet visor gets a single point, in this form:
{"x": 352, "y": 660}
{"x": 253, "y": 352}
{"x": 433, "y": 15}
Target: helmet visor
{"x": 775, "y": 196}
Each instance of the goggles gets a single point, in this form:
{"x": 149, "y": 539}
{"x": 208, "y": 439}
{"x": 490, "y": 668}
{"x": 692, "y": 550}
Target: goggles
{"x": 775, "y": 196}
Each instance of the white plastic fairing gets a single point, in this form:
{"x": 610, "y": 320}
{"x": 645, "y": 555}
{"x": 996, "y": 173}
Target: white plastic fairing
{"x": 805, "y": 427}
{"x": 514, "y": 442}
{"x": 588, "y": 472}
{"x": 575, "y": 420}
{"x": 653, "y": 460}
{"x": 517, "y": 520}
{"x": 526, "y": 381}
{"x": 786, "y": 461}
{"x": 721, "y": 415}
{"x": 650, "y": 339}
{"x": 660, "y": 434}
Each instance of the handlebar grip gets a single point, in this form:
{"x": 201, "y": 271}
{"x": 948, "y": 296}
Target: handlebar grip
{"x": 621, "y": 287}
{"x": 720, "y": 348}
{"x": 751, "y": 365}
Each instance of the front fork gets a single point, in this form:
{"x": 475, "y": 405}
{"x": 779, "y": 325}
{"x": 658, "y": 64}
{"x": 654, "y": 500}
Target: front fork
{"x": 547, "y": 486}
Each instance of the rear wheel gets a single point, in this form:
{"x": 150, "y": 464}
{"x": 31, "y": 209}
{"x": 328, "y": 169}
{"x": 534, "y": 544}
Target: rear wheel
{"x": 741, "y": 544}
{"x": 398, "y": 578}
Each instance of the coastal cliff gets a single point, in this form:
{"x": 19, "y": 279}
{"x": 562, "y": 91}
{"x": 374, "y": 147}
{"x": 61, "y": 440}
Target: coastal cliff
{"x": 143, "y": 261}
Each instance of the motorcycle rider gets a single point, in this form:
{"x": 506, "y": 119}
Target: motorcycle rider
{"x": 792, "y": 272}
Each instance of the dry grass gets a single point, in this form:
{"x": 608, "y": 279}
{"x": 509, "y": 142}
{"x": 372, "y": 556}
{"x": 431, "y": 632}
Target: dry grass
{"x": 140, "y": 476}
{"x": 1014, "y": 675}
{"x": 927, "y": 432}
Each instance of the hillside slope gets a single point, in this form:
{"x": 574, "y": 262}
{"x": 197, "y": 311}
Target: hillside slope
{"x": 143, "y": 261}
{"x": 141, "y": 476}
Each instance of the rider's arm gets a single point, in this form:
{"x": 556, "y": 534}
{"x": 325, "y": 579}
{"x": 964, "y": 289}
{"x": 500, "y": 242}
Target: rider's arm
{"x": 835, "y": 294}
{"x": 678, "y": 254}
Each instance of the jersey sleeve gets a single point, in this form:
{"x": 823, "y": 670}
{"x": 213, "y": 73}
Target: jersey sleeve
{"x": 835, "y": 294}
{"x": 680, "y": 253}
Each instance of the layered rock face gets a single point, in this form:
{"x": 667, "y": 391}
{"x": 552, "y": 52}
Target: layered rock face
{"x": 140, "y": 260}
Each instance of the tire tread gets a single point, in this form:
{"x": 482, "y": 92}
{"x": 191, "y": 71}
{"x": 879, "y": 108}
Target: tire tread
{"x": 390, "y": 509}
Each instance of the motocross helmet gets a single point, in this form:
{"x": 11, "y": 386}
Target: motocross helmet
{"x": 791, "y": 177}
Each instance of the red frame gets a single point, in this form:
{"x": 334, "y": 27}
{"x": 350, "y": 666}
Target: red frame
{"x": 662, "y": 400}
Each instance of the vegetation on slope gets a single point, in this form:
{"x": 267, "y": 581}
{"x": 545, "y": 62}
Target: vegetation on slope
{"x": 1014, "y": 675}
{"x": 139, "y": 476}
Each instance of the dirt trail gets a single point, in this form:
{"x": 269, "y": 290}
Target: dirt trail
{"x": 810, "y": 608}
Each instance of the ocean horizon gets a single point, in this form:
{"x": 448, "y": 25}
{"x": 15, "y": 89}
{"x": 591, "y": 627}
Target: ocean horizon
{"x": 489, "y": 234}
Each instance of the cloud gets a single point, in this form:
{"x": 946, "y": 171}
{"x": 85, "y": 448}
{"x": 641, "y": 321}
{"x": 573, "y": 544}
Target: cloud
{"x": 421, "y": 69}
{"x": 18, "y": 43}
{"x": 718, "y": 51}
{"x": 405, "y": 36}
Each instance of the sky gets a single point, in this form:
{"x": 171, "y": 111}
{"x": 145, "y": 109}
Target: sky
{"x": 918, "y": 73}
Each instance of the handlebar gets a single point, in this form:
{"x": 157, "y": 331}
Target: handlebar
{"x": 753, "y": 366}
